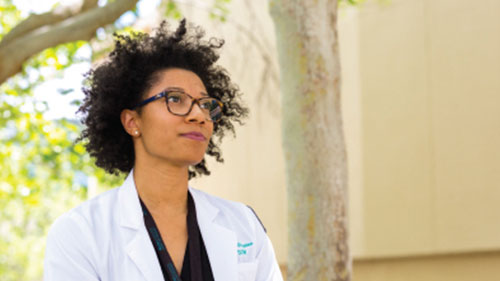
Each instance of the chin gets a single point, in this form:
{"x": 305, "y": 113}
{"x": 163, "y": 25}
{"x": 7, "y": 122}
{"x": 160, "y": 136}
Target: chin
{"x": 195, "y": 160}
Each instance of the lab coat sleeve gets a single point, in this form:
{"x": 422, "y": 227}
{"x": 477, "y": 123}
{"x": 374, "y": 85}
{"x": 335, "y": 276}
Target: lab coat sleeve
{"x": 267, "y": 268}
{"x": 68, "y": 254}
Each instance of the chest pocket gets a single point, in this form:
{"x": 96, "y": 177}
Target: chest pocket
{"x": 247, "y": 271}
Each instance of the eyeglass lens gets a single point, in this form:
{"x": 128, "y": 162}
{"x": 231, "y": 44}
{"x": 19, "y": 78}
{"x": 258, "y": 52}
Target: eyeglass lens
{"x": 180, "y": 103}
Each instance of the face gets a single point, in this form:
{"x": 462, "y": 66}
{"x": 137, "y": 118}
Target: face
{"x": 171, "y": 139}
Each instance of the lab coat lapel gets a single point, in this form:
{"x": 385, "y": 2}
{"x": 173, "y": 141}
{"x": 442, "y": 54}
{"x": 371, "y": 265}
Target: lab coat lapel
{"x": 220, "y": 241}
{"x": 137, "y": 242}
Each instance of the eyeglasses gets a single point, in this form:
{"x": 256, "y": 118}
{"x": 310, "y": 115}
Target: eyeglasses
{"x": 180, "y": 103}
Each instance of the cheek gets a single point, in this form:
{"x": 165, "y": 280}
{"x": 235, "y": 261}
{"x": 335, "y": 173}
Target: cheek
{"x": 160, "y": 134}
{"x": 159, "y": 142}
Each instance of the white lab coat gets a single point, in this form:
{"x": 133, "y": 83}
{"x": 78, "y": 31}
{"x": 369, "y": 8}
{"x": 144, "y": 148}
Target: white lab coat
{"x": 105, "y": 239}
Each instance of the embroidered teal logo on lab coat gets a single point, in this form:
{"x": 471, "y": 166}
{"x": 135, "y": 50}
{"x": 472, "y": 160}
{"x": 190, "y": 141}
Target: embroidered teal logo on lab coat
{"x": 242, "y": 248}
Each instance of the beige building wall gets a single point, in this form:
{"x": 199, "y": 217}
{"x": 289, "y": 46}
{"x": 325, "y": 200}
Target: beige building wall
{"x": 467, "y": 266}
{"x": 426, "y": 184}
{"x": 430, "y": 126}
{"x": 421, "y": 84}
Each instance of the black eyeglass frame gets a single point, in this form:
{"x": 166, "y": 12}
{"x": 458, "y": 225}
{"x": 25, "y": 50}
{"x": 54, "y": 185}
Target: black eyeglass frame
{"x": 164, "y": 94}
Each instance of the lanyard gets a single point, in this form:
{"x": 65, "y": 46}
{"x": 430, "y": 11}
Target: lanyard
{"x": 167, "y": 266}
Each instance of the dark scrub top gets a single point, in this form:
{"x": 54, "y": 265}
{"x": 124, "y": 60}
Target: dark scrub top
{"x": 196, "y": 265}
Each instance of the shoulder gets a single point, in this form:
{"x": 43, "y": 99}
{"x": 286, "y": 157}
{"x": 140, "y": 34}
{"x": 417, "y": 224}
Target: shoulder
{"x": 73, "y": 236}
{"x": 77, "y": 240}
{"x": 87, "y": 212}
{"x": 78, "y": 225}
{"x": 255, "y": 253}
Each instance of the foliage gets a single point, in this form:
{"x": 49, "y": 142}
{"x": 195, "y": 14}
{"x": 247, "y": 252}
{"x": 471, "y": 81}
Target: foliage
{"x": 220, "y": 10}
{"x": 43, "y": 172}
{"x": 172, "y": 10}
{"x": 10, "y": 16}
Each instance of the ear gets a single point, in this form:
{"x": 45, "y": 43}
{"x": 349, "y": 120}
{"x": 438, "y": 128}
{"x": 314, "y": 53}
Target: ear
{"x": 131, "y": 122}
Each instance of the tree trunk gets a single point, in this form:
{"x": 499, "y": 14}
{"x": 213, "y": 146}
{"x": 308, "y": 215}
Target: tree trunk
{"x": 313, "y": 140}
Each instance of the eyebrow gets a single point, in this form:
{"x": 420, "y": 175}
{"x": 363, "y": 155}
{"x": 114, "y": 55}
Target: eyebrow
{"x": 182, "y": 90}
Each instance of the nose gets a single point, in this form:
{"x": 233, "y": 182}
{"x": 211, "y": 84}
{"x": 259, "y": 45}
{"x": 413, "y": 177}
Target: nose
{"x": 196, "y": 115}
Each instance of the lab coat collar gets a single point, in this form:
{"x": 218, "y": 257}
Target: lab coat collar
{"x": 130, "y": 207}
{"x": 220, "y": 242}
{"x": 138, "y": 244}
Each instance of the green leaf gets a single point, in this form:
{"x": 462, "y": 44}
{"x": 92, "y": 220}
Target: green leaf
{"x": 65, "y": 91}
{"x": 172, "y": 11}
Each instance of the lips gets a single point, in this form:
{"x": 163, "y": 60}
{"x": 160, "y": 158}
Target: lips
{"x": 194, "y": 136}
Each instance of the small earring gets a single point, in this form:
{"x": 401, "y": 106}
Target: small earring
{"x": 136, "y": 132}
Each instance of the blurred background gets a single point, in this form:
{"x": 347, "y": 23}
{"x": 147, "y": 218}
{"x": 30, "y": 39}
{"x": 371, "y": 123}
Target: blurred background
{"x": 421, "y": 109}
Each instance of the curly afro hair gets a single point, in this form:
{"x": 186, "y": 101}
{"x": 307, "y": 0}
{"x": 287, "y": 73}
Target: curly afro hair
{"x": 131, "y": 70}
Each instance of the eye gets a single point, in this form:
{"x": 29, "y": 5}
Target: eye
{"x": 206, "y": 104}
{"x": 174, "y": 97}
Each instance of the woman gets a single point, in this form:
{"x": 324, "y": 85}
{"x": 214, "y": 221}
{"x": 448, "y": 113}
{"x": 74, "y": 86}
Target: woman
{"x": 151, "y": 110}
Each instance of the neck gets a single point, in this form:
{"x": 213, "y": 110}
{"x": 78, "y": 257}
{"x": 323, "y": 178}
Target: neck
{"x": 163, "y": 188}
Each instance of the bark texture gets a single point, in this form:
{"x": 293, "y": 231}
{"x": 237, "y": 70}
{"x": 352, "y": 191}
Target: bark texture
{"x": 313, "y": 139}
{"x": 63, "y": 25}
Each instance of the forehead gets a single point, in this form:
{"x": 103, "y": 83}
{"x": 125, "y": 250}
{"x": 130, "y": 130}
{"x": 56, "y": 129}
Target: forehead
{"x": 179, "y": 78}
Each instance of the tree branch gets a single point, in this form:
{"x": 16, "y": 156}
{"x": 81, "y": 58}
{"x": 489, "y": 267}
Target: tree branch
{"x": 36, "y": 20}
{"x": 52, "y": 30}
{"x": 89, "y": 4}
